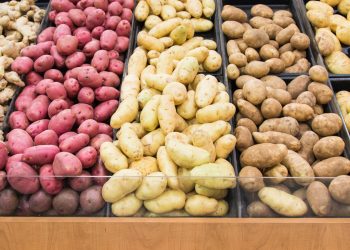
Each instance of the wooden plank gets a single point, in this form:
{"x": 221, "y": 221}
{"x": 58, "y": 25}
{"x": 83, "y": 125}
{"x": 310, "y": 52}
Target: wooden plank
{"x": 172, "y": 234}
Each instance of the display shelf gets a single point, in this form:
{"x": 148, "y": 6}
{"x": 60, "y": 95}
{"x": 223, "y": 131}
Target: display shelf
{"x": 18, "y": 233}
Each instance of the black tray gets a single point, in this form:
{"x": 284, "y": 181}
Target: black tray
{"x": 245, "y": 5}
{"x": 311, "y": 33}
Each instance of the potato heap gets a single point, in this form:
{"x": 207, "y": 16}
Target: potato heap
{"x": 282, "y": 131}
{"x": 332, "y": 31}
{"x": 343, "y": 98}
{"x": 269, "y": 42}
{"x": 19, "y": 22}
{"x": 173, "y": 129}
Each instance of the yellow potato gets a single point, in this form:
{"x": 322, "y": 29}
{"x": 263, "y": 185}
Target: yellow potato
{"x": 149, "y": 114}
{"x": 150, "y": 69}
{"x": 152, "y": 186}
{"x": 214, "y": 175}
{"x": 168, "y": 167}
{"x": 167, "y": 41}
{"x": 152, "y": 141}
{"x": 126, "y": 112}
{"x": 183, "y": 14}
{"x": 158, "y": 81}
{"x": 318, "y": 18}
{"x": 192, "y": 43}
{"x": 168, "y": 201}
{"x": 185, "y": 155}
{"x": 165, "y": 63}
{"x": 137, "y": 62}
{"x": 145, "y": 165}
{"x": 222, "y": 97}
{"x": 194, "y": 7}
{"x": 335, "y": 21}
{"x": 121, "y": 184}
{"x": 176, "y": 136}
{"x": 344, "y": 7}
{"x": 130, "y": 87}
{"x": 202, "y": 140}
{"x": 156, "y": 6}
{"x": 213, "y": 61}
{"x": 278, "y": 174}
{"x": 199, "y": 205}
{"x": 151, "y": 21}
{"x": 138, "y": 129}
{"x": 189, "y": 28}
{"x": 177, "y": 91}
{"x": 112, "y": 158}
{"x": 167, "y": 114}
{"x": 178, "y": 5}
{"x": 200, "y": 53}
{"x": 211, "y": 192}
{"x": 216, "y": 129}
{"x": 338, "y": 63}
{"x": 208, "y": 8}
{"x": 188, "y": 108}
{"x": 149, "y": 42}
{"x": 186, "y": 70}
{"x": 164, "y": 28}
{"x": 145, "y": 96}
{"x": 222, "y": 209}
{"x": 186, "y": 184}
{"x": 206, "y": 91}
{"x": 129, "y": 143}
{"x": 179, "y": 34}
{"x": 168, "y": 12}
{"x": 225, "y": 145}
{"x": 332, "y": 3}
{"x": 209, "y": 44}
{"x": 320, "y": 6}
{"x": 141, "y": 11}
{"x": 282, "y": 202}
{"x": 201, "y": 24}
{"x": 342, "y": 33}
{"x": 181, "y": 124}
{"x": 215, "y": 112}
{"x": 127, "y": 206}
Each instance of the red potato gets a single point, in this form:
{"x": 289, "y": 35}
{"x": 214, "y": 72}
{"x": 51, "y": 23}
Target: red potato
{"x": 38, "y": 109}
{"x": 128, "y": 4}
{"x": 104, "y": 93}
{"x": 48, "y": 181}
{"x": 75, "y": 60}
{"x": 40, "y": 88}
{"x": 108, "y": 39}
{"x": 32, "y": 78}
{"x": 61, "y": 30}
{"x": 63, "y": 18}
{"x": 23, "y": 206}
{"x": 86, "y": 3}
{"x": 81, "y": 182}
{"x": 57, "y": 106}
{"x": 126, "y": 15}
{"x": 54, "y": 75}
{"x": 75, "y": 143}
{"x": 22, "y": 178}
{"x": 116, "y": 66}
{"x": 72, "y": 87}
{"x": 43, "y": 63}
{"x": 82, "y": 112}
{"x": 3, "y": 180}
{"x": 11, "y": 160}
{"x": 46, "y": 35}
{"x": 62, "y": 122}
{"x": 89, "y": 127}
{"x": 95, "y": 18}
{"x": 66, "y": 202}
{"x": 122, "y": 44}
{"x": 40, "y": 202}
{"x": 77, "y": 16}
{"x": 22, "y": 65}
{"x": 110, "y": 79}
{"x": 52, "y": 15}
{"x": 37, "y": 127}
{"x": 87, "y": 156}
{"x": 46, "y": 46}
{"x": 83, "y": 36}
{"x": 97, "y": 31}
{"x": 59, "y": 59}
{"x": 3, "y": 155}
{"x": 56, "y": 90}
{"x": 91, "y": 47}
{"x": 18, "y": 119}
{"x": 86, "y": 95}
{"x": 65, "y": 136}
{"x": 113, "y": 54}
{"x": 67, "y": 45}
{"x": 62, "y": 5}
{"x": 69, "y": 101}
{"x": 97, "y": 141}
{"x": 40, "y": 155}
{"x": 101, "y": 4}
{"x": 47, "y": 137}
{"x": 99, "y": 173}
{"x": 123, "y": 28}
{"x": 91, "y": 200}
{"x": 32, "y": 51}
{"x": 88, "y": 10}
{"x": 8, "y": 202}
{"x": 104, "y": 128}
{"x": 89, "y": 77}
{"x": 115, "y": 9}
{"x": 25, "y": 98}
{"x": 100, "y": 61}
{"x": 18, "y": 140}
{"x": 66, "y": 164}
{"x": 105, "y": 110}
{"x": 112, "y": 22}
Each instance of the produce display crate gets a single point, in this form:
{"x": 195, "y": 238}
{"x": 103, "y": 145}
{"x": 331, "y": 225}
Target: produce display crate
{"x": 310, "y": 31}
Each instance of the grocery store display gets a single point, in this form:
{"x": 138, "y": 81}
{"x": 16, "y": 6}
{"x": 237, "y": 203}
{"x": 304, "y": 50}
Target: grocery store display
{"x": 19, "y": 24}
{"x": 263, "y": 41}
{"x": 61, "y": 117}
{"x": 332, "y": 32}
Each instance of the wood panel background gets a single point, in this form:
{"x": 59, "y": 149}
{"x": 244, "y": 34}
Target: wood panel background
{"x": 172, "y": 234}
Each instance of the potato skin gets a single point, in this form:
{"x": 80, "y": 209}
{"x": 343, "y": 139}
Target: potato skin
{"x": 290, "y": 141}
{"x": 326, "y": 124}
{"x": 251, "y": 179}
{"x": 255, "y": 38}
{"x": 331, "y": 167}
{"x": 329, "y": 146}
{"x": 250, "y": 111}
{"x": 298, "y": 85}
{"x": 307, "y": 141}
{"x": 339, "y": 189}
{"x": 271, "y": 108}
{"x": 230, "y": 12}
{"x": 66, "y": 202}
{"x": 322, "y": 92}
{"x": 244, "y": 138}
{"x": 319, "y": 198}
{"x": 258, "y": 209}
{"x": 286, "y": 125}
{"x": 301, "y": 112}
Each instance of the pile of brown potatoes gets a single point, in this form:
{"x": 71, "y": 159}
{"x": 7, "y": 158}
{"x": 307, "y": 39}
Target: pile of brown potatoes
{"x": 268, "y": 43}
{"x": 282, "y": 131}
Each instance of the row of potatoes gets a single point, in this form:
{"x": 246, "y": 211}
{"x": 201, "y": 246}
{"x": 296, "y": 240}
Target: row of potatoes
{"x": 174, "y": 134}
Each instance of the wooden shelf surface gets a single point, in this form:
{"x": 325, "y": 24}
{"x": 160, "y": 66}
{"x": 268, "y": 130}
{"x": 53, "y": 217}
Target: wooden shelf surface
{"x": 18, "y": 233}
